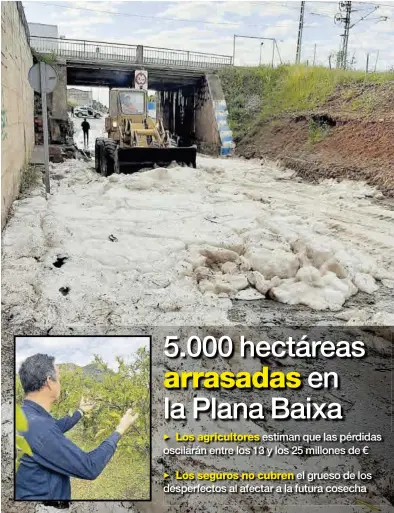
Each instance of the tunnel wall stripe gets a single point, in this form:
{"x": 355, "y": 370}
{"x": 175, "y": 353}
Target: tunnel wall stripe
{"x": 225, "y": 133}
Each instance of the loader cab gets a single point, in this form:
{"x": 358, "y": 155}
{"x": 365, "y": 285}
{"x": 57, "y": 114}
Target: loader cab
{"x": 125, "y": 104}
{"x": 132, "y": 102}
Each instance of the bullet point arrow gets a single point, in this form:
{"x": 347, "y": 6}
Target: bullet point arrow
{"x": 166, "y": 437}
{"x": 166, "y": 475}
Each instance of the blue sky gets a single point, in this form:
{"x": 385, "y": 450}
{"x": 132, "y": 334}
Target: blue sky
{"x": 79, "y": 350}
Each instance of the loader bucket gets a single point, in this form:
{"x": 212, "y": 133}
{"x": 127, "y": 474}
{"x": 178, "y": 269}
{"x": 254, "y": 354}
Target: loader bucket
{"x": 133, "y": 159}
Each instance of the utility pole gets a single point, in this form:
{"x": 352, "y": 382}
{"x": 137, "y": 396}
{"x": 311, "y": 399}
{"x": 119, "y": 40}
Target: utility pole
{"x": 348, "y": 12}
{"x": 344, "y": 17}
{"x": 45, "y": 125}
{"x": 353, "y": 61}
{"x": 300, "y": 29}
{"x": 274, "y": 44}
{"x": 314, "y": 55}
{"x": 43, "y": 79}
{"x": 347, "y": 7}
{"x": 261, "y": 47}
{"x": 273, "y": 53}
{"x": 376, "y": 62}
{"x": 367, "y": 65}
{"x": 277, "y": 49}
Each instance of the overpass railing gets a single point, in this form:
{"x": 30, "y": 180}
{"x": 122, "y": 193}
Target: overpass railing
{"x": 75, "y": 49}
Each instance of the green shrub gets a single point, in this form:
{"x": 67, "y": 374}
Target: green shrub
{"x": 317, "y": 131}
{"x": 31, "y": 177}
{"x": 285, "y": 89}
{"x": 48, "y": 58}
{"x": 21, "y": 425}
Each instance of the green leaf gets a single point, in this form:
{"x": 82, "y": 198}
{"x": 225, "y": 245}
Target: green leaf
{"x": 114, "y": 415}
{"x": 21, "y": 420}
{"x": 23, "y": 446}
{"x": 100, "y": 433}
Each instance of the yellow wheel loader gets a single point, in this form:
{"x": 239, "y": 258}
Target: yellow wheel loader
{"x": 136, "y": 141}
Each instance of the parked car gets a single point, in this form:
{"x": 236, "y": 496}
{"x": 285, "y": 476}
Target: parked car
{"x": 86, "y": 112}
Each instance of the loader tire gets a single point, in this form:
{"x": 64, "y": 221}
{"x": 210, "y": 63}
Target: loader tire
{"x": 111, "y": 156}
{"x": 103, "y": 161}
{"x": 98, "y": 144}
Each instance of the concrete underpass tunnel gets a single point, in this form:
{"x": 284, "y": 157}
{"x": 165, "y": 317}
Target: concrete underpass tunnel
{"x": 184, "y": 99}
{"x": 189, "y": 112}
{"x": 193, "y": 111}
{"x": 176, "y": 109}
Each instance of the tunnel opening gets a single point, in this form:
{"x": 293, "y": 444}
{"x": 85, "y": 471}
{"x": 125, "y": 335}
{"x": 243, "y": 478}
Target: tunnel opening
{"x": 87, "y": 104}
{"x": 176, "y": 109}
{"x": 323, "y": 120}
{"x": 182, "y": 99}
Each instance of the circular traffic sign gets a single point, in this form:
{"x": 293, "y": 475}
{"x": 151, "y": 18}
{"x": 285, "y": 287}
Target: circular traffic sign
{"x": 140, "y": 78}
{"x": 49, "y": 77}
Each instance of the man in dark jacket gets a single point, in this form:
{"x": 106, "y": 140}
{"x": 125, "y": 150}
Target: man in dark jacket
{"x": 85, "y": 127}
{"x": 46, "y": 474}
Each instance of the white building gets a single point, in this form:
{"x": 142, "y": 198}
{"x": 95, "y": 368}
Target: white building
{"x": 79, "y": 96}
{"x": 38, "y": 31}
{"x": 42, "y": 30}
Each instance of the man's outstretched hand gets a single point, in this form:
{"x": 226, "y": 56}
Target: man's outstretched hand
{"x": 126, "y": 421}
{"x": 86, "y": 406}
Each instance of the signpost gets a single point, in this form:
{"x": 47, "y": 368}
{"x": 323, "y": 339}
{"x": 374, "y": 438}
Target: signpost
{"x": 141, "y": 79}
{"x": 43, "y": 79}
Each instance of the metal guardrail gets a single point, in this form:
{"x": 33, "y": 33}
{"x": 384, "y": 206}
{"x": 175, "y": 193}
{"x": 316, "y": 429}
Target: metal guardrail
{"x": 152, "y": 55}
{"x": 135, "y": 54}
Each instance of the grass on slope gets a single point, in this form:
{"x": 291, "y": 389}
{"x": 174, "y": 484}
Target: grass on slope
{"x": 126, "y": 477}
{"x": 254, "y": 94}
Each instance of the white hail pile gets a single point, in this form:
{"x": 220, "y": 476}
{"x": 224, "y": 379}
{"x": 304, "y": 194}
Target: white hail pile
{"x": 187, "y": 242}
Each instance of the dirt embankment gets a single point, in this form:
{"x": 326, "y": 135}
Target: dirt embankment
{"x": 346, "y": 133}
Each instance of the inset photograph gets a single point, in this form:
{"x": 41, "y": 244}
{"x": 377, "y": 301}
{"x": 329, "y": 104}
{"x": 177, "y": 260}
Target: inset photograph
{"x": 82, "y": 418}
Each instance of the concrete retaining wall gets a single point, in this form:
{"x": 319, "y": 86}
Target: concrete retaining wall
{"x": 198, "y": 114}
{"x": 17, "y": 118}
{"x": 212, "y": 131}
{"x": 207, "y": 135}
{"x": 58, "y": 105}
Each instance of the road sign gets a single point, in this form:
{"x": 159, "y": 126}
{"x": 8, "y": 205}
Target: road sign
{"x": 43, "y": 79}
{"x": 50, "y": 77}
{"x": 141, "y": 79}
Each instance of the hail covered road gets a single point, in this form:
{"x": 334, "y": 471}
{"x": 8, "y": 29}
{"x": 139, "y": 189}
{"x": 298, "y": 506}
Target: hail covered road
{"x": 231, "y": 242}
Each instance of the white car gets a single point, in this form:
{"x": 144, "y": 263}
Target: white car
{"x": 86, "y": 112}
